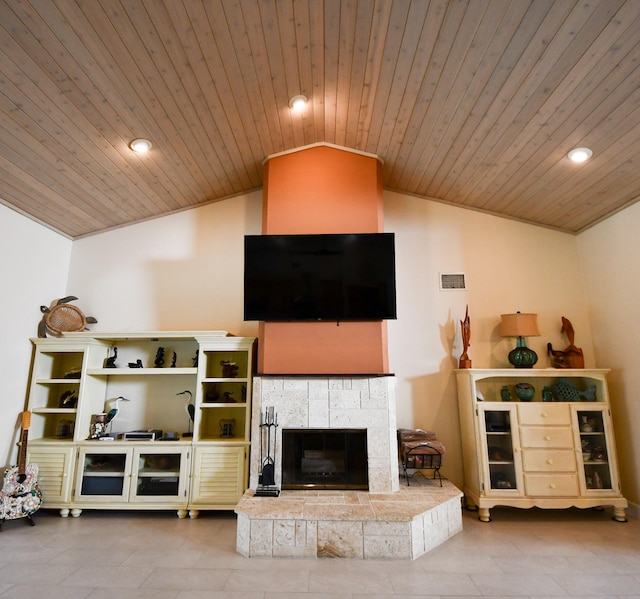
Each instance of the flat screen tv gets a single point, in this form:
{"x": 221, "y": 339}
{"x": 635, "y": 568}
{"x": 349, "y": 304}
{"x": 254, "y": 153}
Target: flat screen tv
{"x": 335, "y": 277}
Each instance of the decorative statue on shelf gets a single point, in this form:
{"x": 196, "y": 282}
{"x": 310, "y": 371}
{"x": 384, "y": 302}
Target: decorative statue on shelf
{"x": 190, "y": 409}
{"x": 173, "y": 360}
{"x": 69, "y": 399}
{"x": 113, "y": 412}
{"x": 229, "y": 369}
{"x": 111, "y": 360}
{"x": 136, "y": 364}
{"x": 227, "y": 427}
{"x": 465, "y": 327}
{"x": 571, "y": 357}
{"x": 159, "y": 361}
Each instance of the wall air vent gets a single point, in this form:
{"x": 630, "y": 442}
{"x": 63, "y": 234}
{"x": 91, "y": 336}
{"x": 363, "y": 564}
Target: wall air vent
{"x": 452, "y": 281}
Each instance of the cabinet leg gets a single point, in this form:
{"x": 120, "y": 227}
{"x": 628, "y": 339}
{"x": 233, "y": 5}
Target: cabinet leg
{"x": 194, "y": 513}
{"x": 75, "y": 513}
{"x": 64, "y": 512}
{"x": 619, "y": 514}
{"x": 484, "y": 514}
{"x": 182, "y": 513}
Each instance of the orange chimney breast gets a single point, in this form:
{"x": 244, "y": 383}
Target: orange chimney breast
{"x": 322, "y": 189}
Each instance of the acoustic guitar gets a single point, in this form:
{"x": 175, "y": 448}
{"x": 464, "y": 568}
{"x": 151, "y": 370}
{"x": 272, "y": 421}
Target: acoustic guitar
{"x": 21, "y": 496}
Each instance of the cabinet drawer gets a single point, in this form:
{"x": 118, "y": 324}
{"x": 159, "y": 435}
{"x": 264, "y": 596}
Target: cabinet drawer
{"x": 540, "y": 460}
{"x": 560, "y": 437}
{"x": 544, "y": 413}
{"x": 551, "y": 485}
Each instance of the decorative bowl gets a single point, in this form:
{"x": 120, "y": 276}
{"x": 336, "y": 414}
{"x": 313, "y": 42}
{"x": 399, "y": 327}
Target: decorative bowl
{"x": 524, "y": 391}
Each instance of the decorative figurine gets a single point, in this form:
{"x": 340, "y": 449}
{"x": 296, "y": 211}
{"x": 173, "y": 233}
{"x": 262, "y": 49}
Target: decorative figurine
{"x": 113, "y": 412}
{"x": 159, "y": 361}
{"x": 227, "y": 427}
{"x": 524, "y": 391}
{"x": 195, "y": 360}
{"x": 173, "y": 360}
{"x": 68, "y": 399}
{"x": 571, "y": 357}
{"x": 190, "y": 409}
{"x": 465, "y": 327}
{"x": 111, "y": 361}
{"x": 229, "y": 369}
{"x": 547, "y": 394}
{"x": 597, "y": 481}
{"x": 505, "y": 394}
{"x": 136, "y": 364}
{"x": 565, "y": 389}
{"x": 62, "y": 317}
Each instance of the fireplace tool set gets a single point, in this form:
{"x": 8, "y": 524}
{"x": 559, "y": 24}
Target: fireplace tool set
{"x": 267, "y": 479}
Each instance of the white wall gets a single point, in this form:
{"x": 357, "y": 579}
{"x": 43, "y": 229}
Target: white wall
{"x": 179, "y": 272}
{"x": 185, "y": 272}
{"x": 609, "y": 253}
{"x": 34, "y": 262}
{"x": 509, "y": 266}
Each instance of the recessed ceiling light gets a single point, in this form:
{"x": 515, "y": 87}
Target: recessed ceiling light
{"x": 297, "y": 103}
{"x": 140, "y": 145}
{"x": 580, "y": 154}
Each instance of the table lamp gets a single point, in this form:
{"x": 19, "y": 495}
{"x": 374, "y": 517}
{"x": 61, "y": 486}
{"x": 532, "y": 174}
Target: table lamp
{"x": 520, "y": 325}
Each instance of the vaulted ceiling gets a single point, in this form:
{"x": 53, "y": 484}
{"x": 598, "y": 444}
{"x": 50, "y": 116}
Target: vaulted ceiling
{"x": 475, "y": 103}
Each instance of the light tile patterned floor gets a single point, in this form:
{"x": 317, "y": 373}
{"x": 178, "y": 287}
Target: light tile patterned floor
{"x": 521, "y": 553}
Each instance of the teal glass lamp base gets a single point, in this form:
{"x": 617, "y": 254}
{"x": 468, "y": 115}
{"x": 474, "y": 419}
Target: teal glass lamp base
{"x": 522, "y": 356}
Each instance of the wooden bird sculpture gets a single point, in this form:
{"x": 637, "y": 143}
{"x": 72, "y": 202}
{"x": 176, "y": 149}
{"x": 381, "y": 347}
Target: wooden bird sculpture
{"x": 465, "y": 327}
{"x": 572, "y": 357}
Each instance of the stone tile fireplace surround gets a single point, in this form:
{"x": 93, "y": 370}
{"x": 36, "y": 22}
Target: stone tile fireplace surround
{"x": 332, "y": 403}
{"x": 385, "y": 522}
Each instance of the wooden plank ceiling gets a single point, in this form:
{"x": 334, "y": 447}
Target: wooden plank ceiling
{"x": 474, "y": 103}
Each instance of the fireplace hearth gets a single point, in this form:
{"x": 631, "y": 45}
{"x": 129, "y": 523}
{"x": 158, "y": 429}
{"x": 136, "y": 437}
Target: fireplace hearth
{"x": 383, "y": 522}
{"x": 324, "y": 459}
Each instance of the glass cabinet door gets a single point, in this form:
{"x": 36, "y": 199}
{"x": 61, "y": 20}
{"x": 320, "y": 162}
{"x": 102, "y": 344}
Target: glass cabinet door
{"x": 503, "y": 472}
{"x": 595, "y": 448}
{"x": 103, "y": 474}
{"x": 159, "y": 476}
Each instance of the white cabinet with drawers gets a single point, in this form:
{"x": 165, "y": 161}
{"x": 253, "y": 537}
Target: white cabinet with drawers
{"x": 555, "y": 451}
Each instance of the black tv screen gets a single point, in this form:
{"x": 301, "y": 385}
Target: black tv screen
{"x": 337, "y": 277}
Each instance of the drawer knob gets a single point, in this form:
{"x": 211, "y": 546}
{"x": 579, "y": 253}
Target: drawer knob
{"x": 547, "y": 438}
{"x": 544, "y": 414}
{"x": 552, "y": 486}
{"x": 549, "y": 461}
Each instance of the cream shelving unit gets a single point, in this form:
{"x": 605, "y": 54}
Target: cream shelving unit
{"x": 203, "y": 467}
{"x": 222, "y": 433}
{"x": 547, "y": 454}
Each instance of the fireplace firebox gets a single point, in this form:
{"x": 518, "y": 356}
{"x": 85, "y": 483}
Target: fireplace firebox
{"x": 324, "y": 459}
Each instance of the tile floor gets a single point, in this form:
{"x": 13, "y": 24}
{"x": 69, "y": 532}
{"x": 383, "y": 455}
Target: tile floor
{"x": 521, "y": 553}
